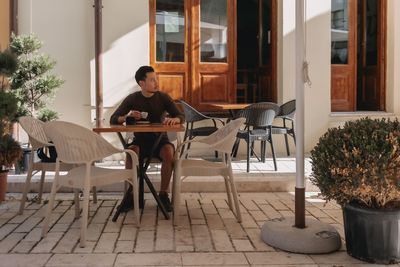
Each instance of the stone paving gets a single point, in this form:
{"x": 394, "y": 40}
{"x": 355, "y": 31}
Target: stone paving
{"x": 208, "y": 234}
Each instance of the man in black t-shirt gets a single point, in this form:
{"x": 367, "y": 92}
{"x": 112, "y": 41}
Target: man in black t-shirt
{"x": 153, "y": 104}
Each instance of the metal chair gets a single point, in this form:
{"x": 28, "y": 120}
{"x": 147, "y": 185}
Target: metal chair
{"x": 286, "y": 113}
{"x": 78, "y": 145}
{"x": 221, "y": 141}
{"x": 193, "y": 116}
{"x": 259, "y": 118}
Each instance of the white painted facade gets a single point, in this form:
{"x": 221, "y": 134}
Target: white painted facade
{"x": 67, "y": 29}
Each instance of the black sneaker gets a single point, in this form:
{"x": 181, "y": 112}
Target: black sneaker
{"x": 128, "y": 203}
{"x": 166, "y": 202}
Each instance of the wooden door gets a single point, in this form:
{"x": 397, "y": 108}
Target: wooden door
{"x": 212, "y": 52}
{"x": 343, "y": 55}
{"x": 169, "y": 46}
{"x": 370, "y": 89}
{"x": 267, "y": 51}
{"x": 192, "y": 48}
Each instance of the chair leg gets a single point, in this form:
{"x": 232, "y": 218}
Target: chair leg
{"x": 235, "y": 147}
{"x": 76, "y": 200}
{"x": 42, "y": 177}
{"x": 135, "y": 193}
{"x": 273, "y": 152}
{"x": 176, "y": 191}
{"x": 235, "y": 196}
{"x": 85, "y": 214}
{"x": 294, "y": 137}
{"x": 228, "y": 192}
{"x": 287, "y": 145}
{"x": 94, "y": 190}
{"x": 248, "y": 155}
{"x": 46, "y": 221}
{"x": 26, "y": 189}
{"x": 263, "y": 149}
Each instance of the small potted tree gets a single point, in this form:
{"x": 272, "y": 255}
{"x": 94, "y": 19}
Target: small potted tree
{"x": 10, "y": 150}
{"x": 33, "y": 83}
{"x": 358, "y": 166}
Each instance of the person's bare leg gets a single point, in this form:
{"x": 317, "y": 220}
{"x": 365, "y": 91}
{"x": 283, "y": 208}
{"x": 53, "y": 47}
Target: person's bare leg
{"x": 167, "y": 166}
{"x": 128, "y": 161}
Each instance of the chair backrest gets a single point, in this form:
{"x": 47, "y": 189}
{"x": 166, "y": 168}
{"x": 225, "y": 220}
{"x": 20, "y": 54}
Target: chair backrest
{"x": 34, "y": 128}
{"x": 259, "y": 114}
{"x": 288, "y": 109}
{"x": 76, "y": 144}
{"x": 224, "y": 138}
{"x": 191, "y": 114}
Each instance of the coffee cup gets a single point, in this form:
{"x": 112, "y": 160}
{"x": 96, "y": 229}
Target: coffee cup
{"x": 144, "y": 114}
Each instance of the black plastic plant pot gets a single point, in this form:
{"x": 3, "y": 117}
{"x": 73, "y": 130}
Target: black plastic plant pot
{"x": 372, "y": 235}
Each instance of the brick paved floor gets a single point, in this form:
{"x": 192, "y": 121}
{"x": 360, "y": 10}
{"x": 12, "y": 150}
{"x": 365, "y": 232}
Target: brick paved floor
{"x": 208, "y": 233}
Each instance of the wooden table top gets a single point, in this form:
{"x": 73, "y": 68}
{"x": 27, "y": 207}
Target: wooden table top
{"x": 140, "y": 128}
{"x": 220, "y": 106}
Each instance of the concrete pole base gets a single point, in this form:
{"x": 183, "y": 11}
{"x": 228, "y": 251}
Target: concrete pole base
{"x": 316, "y": 238}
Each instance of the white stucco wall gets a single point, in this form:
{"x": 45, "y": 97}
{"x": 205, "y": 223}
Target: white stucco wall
{"x": 317, "y": 97}
{"x": 66, "y": 29}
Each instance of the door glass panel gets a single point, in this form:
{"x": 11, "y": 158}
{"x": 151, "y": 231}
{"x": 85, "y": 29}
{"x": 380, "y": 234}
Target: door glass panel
{"x": 213, "y": 30}
{"x": 339, "y": 32}
{"x": 170, "y": 30}
{"x": 266, "y": 33}
{"x": 371, "y": 32}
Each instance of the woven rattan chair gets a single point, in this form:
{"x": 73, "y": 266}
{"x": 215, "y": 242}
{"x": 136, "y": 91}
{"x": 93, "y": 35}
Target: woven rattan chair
{"x": 259, "y": 118}
{"x": 193, "y": 116}
{"x": 37, "y": 139}
{"x": 221, "y": 141}
{"x": 286, "y": 113}
{"x": 78, "y": 145}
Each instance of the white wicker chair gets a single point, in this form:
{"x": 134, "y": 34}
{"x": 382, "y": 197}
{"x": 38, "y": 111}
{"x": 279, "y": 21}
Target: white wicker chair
{"x": 38, "y": 139}
{"x": 222, "y": 141}
{"x": 78, "y": 145}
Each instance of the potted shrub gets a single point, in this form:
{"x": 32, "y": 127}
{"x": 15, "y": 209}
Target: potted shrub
{"x": 358, "y": 166}
{"x": 33, "y": 83}
{"x": 10, "y": 150}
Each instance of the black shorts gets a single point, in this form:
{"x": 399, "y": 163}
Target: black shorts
{"x": 146, "y": 144}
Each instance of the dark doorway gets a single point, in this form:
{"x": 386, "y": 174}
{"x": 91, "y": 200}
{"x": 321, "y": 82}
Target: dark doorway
{"x": 256, "y": 46}
{"x": 368, "y": 51}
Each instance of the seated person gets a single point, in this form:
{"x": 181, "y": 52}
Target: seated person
{"x": 155, "y": 103}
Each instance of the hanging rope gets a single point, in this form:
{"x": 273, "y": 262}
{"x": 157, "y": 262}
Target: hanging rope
{"x": 306, "y": 77}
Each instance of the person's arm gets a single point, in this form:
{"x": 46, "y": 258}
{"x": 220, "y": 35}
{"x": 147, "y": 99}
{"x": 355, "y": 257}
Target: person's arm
{"x": 173, "y": 111}
{"x": 123, "y": 111}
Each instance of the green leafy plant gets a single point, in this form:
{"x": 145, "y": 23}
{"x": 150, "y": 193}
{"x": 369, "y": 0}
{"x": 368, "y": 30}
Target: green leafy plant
{"x": 359, "y": 163}
{"x": 10, "y": 150}
{"x": 33, "y": 83}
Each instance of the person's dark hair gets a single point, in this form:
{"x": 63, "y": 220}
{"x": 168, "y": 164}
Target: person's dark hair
{"x": 141, "y": 73}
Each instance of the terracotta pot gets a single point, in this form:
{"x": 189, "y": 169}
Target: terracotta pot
{"x": 3, "y": 185}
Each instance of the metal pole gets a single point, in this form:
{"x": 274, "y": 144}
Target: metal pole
{"x": 98, "y": 61}
{"x": 299, "y": 190}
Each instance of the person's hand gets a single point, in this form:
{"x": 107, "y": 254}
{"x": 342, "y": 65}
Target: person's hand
{"x": 171, "y": 121}
{"x": 134, "y": 113}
